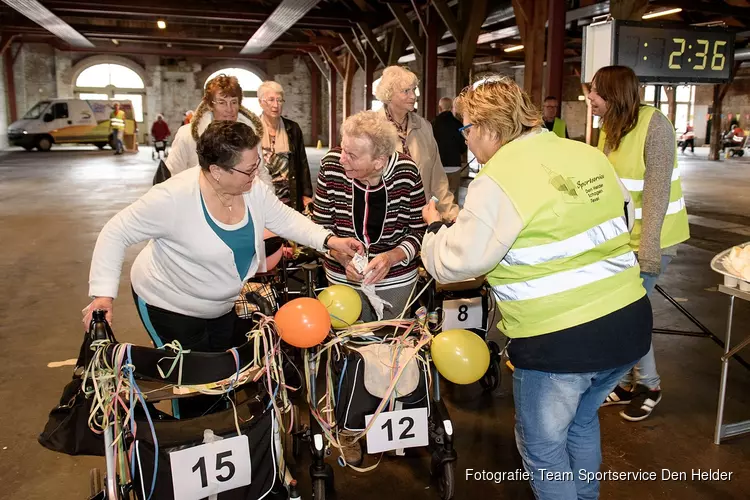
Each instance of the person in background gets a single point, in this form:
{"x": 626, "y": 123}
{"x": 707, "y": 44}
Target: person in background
{"x": 688, "y": 139}
{"x": 188, "y": 117}
{"x": 544, "y": 220}
{"x": 222, "y": 100}
{"x": 368, "y": 190}
{"x": 160, "y": 130}
{"x": 640, "y": 143}
{"x": 551, "y": 121}
{"x": 117, "y": 127}
{"x": 451, "y": 143}
{"x": 284, "y": 149}
{"x": 397, "y": 92}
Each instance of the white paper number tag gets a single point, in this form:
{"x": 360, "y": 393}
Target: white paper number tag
{"x": 211, "y": 468}
{"x": 463, "y": 313}
{"x": 397, "y": 429}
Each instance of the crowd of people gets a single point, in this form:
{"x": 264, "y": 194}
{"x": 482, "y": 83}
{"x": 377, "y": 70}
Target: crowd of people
{"x": 571, "y": 238}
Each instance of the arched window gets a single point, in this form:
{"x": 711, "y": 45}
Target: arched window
{"x": 249, "y": 82}
{"x": 112, "y": 81}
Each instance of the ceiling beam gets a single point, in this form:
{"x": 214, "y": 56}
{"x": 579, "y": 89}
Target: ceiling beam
{"x": 353, "y": 50}
{"x": 407, "y": 27}
{"x": 321, "y": 64}
{"x": 49, "y": 21}
{"x": 333, "y": 60}
{"x": 448, "y": 18}
{"x": 284, "y": 17}
{"x": 484, "y": 38}
{"x": 372, "y": 41}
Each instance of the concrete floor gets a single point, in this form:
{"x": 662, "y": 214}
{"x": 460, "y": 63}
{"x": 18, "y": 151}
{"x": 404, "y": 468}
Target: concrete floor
{"x": 52, "y": 206}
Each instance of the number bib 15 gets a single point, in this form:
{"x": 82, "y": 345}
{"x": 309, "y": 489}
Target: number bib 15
{"x": 393, "y": 430}
{"x": 210, "y": 468}
{"x": 463, "y": 313}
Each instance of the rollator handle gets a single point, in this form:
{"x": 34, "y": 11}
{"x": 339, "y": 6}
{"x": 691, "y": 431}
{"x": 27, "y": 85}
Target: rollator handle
{"x": 99, "y": 328}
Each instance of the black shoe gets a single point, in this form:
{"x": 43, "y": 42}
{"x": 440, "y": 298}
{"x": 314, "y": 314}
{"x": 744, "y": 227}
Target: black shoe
{"x": 619, "y": 396}
{"x": 642, "y": 405}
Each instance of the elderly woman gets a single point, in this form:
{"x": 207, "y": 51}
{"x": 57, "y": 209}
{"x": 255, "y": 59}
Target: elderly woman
{"x": 284, "y": 149}
{"x": 369, "y": 191}
{"x": 397, "y": 92}
{"x": 204, "y": 227}
{"x": 544, "y": 221}
{"x": 222, "y": 100}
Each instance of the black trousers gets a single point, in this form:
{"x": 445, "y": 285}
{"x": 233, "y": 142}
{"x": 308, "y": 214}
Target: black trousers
{"x": 195, "y": 334}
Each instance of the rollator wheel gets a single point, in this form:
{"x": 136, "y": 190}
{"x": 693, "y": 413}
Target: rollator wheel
{"x": 491, "y": 379}
{"x": 319, "y": 489}
{"x": 96, "y": 483}
{"x": 446, "y": 479}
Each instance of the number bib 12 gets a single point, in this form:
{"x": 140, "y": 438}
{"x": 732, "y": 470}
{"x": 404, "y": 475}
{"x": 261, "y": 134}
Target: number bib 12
{"x": 463, "y": 313}
{"x": 393, "y": 430}
{"x": 209, "y": 469}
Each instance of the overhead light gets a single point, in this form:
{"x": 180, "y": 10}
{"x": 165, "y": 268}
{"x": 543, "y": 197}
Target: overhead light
{"x": 169, "y": 45}
{"x": 161, "y": 24}
{"x": 660, "y": 13}
{"x": 115, "y": 41}
{"x": 581, "y": 98}
{"x": 221, "y": 47}
{"x": 515, "y": 48}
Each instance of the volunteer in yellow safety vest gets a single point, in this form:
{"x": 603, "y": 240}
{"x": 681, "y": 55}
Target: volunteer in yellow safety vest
{"x": 640, "y": 142}
{"x": 551, "y": 121}
{"x": 544, "y": 220}
{"x": 117, "y": 127}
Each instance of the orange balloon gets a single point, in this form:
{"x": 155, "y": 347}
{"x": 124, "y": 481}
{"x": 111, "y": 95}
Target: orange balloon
{"x": 303, "y": 322}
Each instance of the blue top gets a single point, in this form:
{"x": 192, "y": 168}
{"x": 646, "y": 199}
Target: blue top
{"x": 241, "y": 240}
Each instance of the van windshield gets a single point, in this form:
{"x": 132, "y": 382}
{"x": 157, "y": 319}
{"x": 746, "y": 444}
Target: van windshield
{"x": 35, "y": 112}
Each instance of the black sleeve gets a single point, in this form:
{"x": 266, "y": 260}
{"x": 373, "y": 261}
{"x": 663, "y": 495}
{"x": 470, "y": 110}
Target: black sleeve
{"x": 303, "y": 167}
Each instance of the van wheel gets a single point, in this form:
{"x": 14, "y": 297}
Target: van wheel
{"x": 28, "y": 148}
{"x": 44, "y": 144}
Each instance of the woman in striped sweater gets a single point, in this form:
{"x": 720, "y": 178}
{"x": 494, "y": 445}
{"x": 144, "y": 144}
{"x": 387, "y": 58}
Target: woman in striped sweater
{"x": 369, "y": 191}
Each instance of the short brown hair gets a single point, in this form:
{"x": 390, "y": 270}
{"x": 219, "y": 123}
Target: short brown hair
{"x": 222, "y": 84}
{"x": 497, "y": 104}
{"x": 619, "y": 86}
{"x": 223, "y": 143}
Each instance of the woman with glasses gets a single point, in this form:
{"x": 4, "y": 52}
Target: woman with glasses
{"x": 284, "y": 149}
{"x": 544, "y": 222}
{"x": 204, "y": 229}
{"x": 397, "y": 92}
{"x": 222, "y": 100}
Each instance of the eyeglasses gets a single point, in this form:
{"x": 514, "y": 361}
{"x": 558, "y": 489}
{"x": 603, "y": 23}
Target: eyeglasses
{"x": 273, "y": 101}
{"x": 221, "y": 103}
{"x": 252, "y": 172}
{"x": 465, "y": 130}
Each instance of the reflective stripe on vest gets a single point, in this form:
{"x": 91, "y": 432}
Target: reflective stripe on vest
{"x": 565, "y": 280}
{"x": 637, "y": 185}
{"x": 672, "y": 208}
{"x": 568, "y": 247}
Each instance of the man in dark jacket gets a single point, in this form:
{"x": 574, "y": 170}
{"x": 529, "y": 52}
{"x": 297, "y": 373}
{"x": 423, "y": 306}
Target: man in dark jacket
{"x": 451, "y": 143}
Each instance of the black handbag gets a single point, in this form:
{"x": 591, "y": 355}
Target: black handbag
{"x": 67, "y": 429}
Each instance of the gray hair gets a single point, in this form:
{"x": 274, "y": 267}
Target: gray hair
{"x": 270, "y": 87}
{"x": 394, "y": 79}
{"x": 374, "y": 127}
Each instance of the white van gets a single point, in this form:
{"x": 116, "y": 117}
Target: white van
{"x": 67, "y": 121}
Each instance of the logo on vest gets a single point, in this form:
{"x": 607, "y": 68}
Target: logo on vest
{"x": 571, "y": 191}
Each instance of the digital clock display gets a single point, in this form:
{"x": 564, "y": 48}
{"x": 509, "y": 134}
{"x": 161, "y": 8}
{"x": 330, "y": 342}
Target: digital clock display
{"x": 669, "y": 54}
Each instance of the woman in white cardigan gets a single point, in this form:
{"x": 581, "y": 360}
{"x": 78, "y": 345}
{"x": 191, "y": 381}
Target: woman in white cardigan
{"x": 205, "y": 231}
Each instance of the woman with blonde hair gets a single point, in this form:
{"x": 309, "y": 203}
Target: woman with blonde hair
{"x": 222, "y": 100}
{"x": 397, "y": 92}
{"x": 640, "y": 142}
{"x": 368, "y": 190}
{"x": 544, "y": 221}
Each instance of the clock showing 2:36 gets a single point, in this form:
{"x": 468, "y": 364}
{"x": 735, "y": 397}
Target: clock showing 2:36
{"x": 675, "y": 54}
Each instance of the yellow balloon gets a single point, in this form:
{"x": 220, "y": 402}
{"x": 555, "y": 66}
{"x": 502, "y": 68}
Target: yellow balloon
{"x": 343, "y": 304}
{"x": 460, "y": 356}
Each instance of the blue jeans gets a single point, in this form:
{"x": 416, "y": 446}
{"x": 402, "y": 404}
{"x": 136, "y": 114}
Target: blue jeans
{"x": 557, "y": 429}
{"x": 644, "y": 372}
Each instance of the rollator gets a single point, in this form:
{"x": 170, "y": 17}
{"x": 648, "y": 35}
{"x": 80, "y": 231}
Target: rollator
{"x": 233, "y": 451}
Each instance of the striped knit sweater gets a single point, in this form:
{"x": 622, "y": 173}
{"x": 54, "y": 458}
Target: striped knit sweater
{"x": 403, "y": 225}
